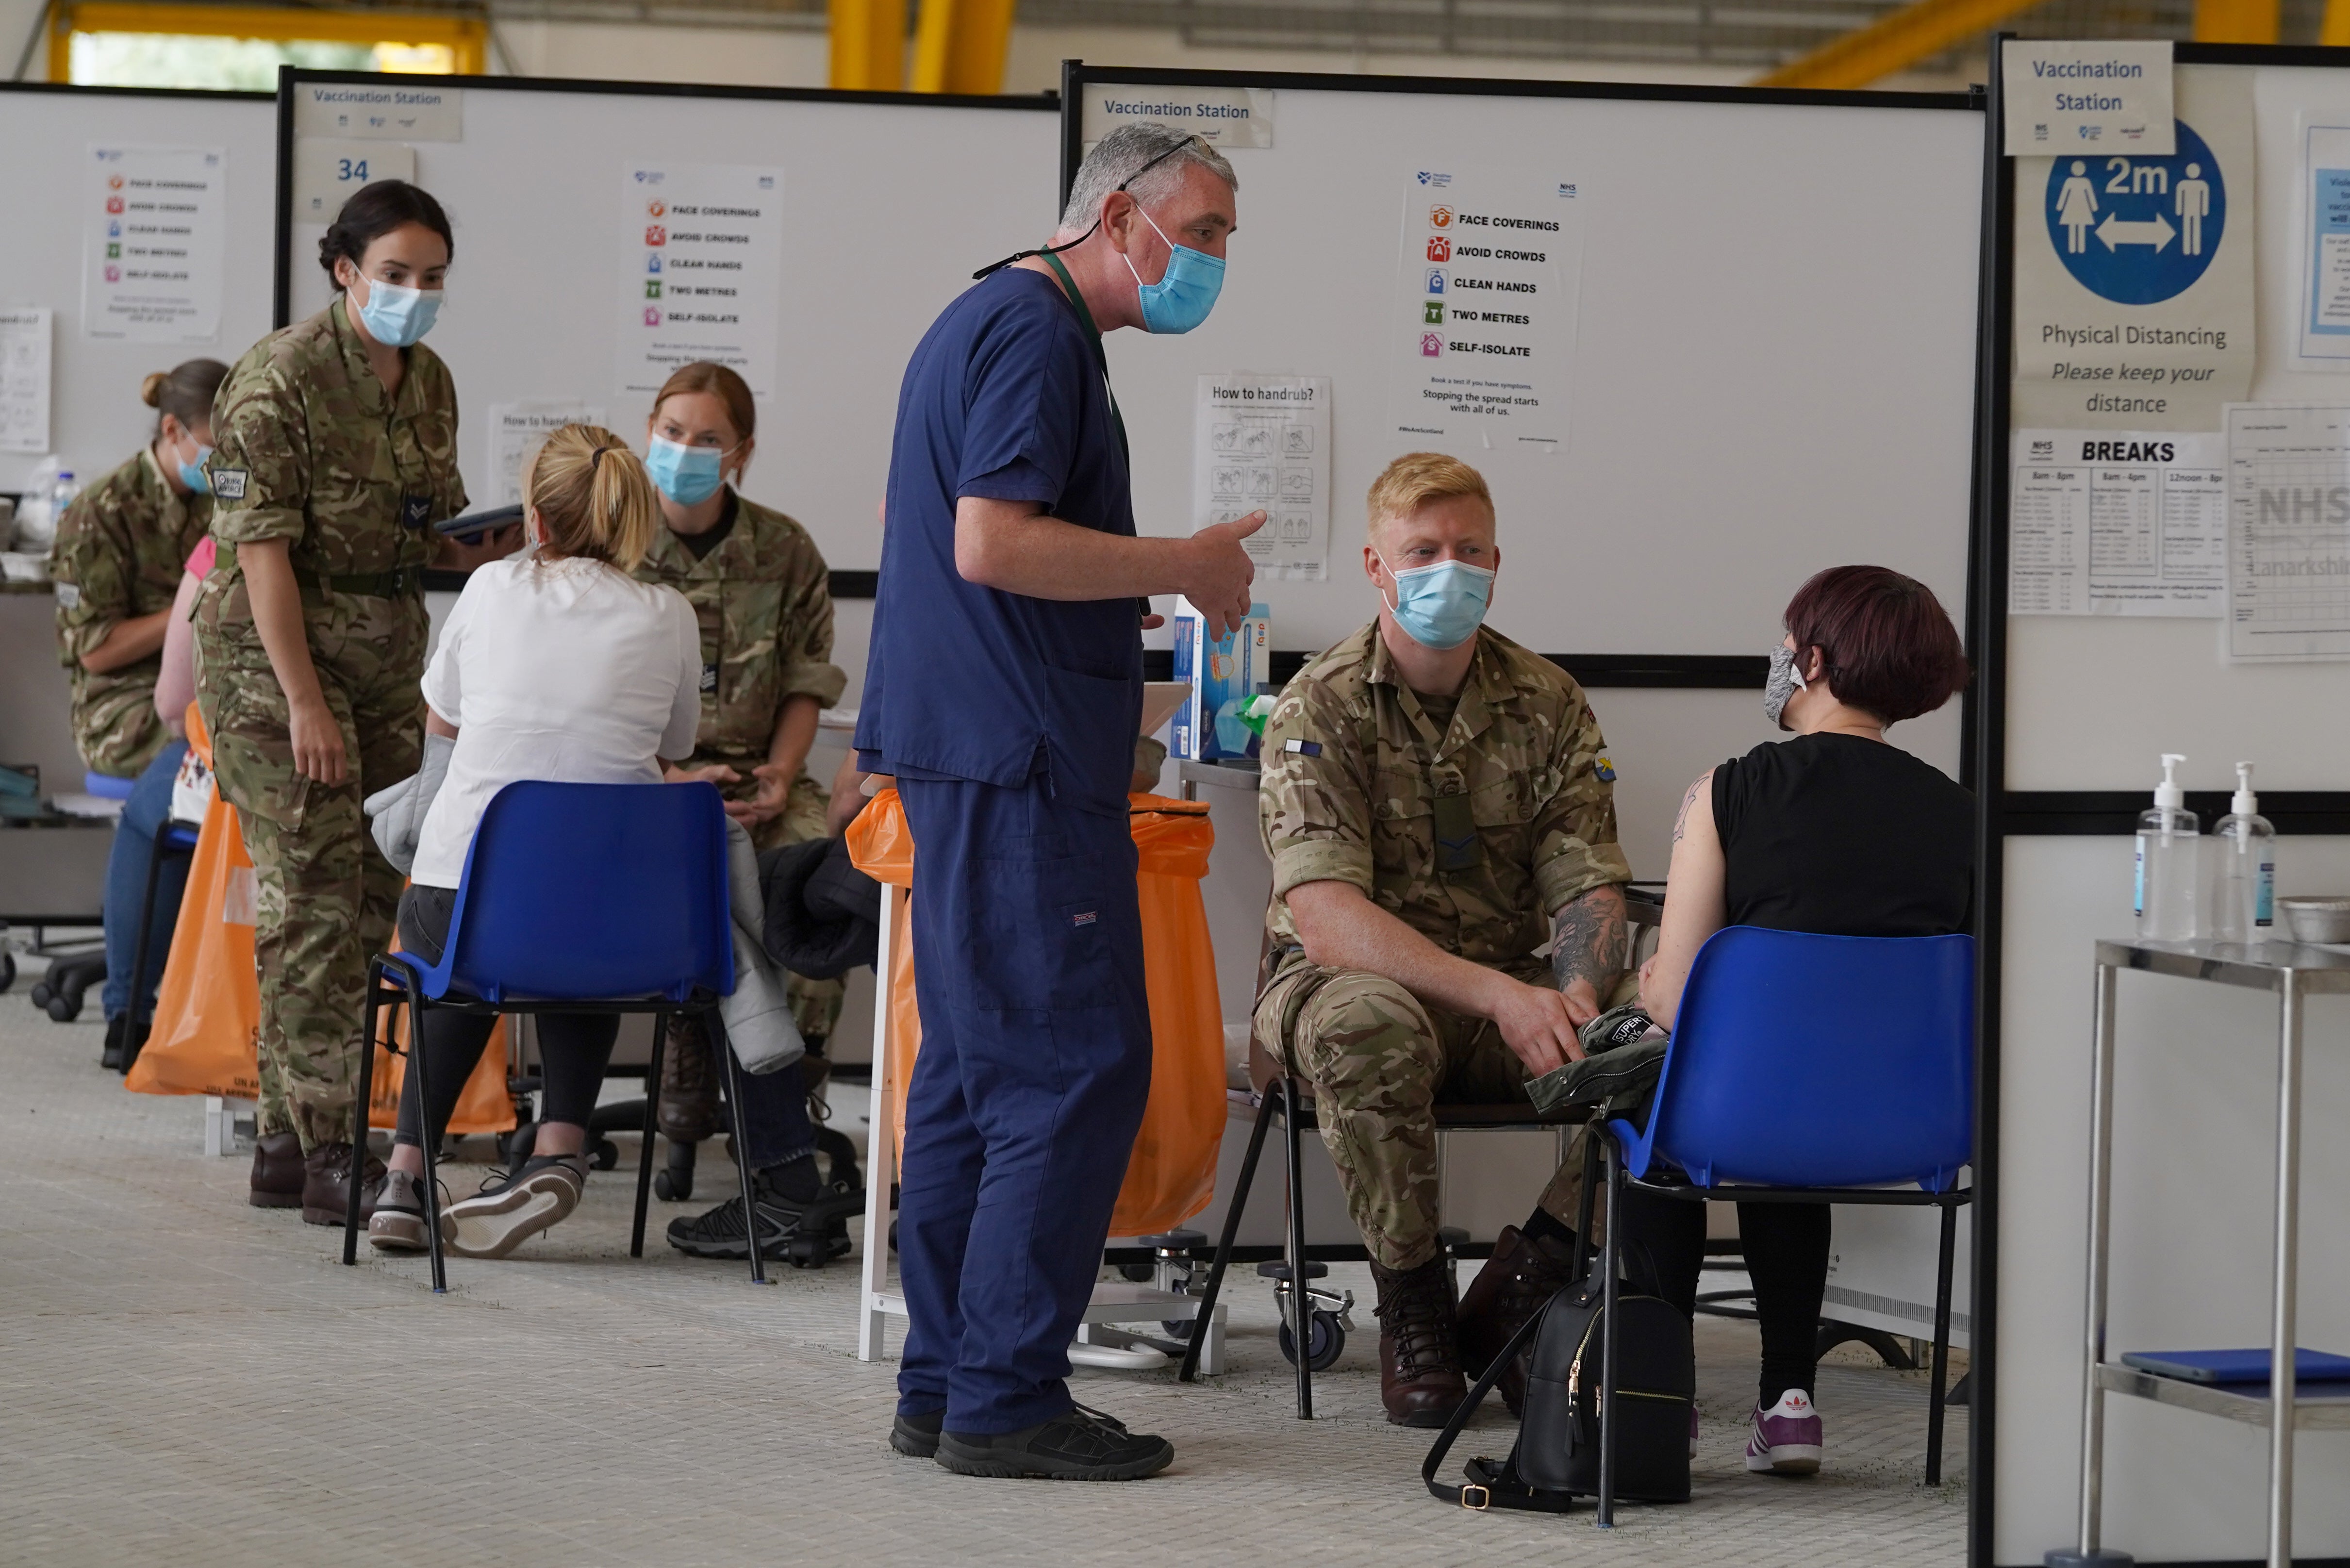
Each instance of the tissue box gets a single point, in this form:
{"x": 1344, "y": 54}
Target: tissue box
{"x": 1223, "y": 673}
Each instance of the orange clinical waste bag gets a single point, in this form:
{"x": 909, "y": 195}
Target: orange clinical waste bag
{"x": 208, "y": 1004}
{"x": 1172, "y": 1173}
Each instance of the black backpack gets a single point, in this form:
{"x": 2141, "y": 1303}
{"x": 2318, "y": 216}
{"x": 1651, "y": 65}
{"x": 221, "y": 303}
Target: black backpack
{"x": 1557, "y": 1457}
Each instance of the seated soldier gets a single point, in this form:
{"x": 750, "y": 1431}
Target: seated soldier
{"x": 1437, "y": 805}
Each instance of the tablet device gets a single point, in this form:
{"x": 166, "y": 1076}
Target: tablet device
{"x": 2218, "y": 1367}
{"x": 473, "y": 524}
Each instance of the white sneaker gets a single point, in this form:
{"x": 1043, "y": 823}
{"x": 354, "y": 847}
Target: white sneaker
{"x": 1786, "y": 1439}
{"x": 505, "y": 1214}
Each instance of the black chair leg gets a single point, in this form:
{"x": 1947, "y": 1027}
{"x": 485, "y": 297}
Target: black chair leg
{"x": 724, "y": 1049}
{"x": 1300, "y": 1313}
{"x": 1606, "y": 1520}
{"x": 645, "y": 1158}
{"x": 1233, "y": 1207}
{"x": 367, "y": 1093}
{"x": 427, "y": 1136}
{"x": 1937, "y": 1398}
{"x": 139, "y": 960}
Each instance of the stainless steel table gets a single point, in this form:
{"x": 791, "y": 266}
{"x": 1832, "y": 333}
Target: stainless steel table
{"x": 2292, "y": 971}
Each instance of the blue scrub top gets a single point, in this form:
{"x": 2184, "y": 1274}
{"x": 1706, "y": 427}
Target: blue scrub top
{"x": 1005, "y": 398}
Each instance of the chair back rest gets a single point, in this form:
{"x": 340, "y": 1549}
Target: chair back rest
{"x": 593, "y": 892}
{"x": 1801, "y": 1060}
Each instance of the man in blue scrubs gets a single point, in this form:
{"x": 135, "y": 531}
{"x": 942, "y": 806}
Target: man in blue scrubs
{"x": 1002, "y": 691}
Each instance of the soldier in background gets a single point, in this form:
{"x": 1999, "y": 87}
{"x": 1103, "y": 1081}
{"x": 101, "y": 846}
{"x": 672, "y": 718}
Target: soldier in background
{"x": 337, "y": 452}
{"x": 1437, "y": 804}
{"x": 117, "y": 564}
{"x": 763, "y": 594}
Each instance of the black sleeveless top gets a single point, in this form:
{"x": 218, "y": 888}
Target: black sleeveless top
{"x": 1846, "y": 837}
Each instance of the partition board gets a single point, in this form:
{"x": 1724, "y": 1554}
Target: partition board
{"x": 889, "y": 202}
{"x": 2074, "y": 712}
{"x": 47, "y": 192}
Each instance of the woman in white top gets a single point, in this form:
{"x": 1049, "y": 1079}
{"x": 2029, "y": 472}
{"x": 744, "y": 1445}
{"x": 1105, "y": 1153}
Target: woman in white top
{"x": 556, "y": 664}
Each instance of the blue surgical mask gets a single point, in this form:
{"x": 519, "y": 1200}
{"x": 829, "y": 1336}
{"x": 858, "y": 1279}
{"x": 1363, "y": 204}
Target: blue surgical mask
{"x": 397, "y": 317}
{"x": 1185, "y": 292}
{"x": 1781, "y": 685}
{"x": 1441, "y": 606}
{"x": 688, "y": 475}
{"x": 193, "y": 474}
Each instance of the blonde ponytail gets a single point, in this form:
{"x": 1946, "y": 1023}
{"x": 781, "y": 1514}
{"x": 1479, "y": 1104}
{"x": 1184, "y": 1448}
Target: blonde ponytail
{"x": 593, "y": 497}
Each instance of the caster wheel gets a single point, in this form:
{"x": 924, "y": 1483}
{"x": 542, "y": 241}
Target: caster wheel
{"x": 1179, "y": 1328}
{"x": 1323, "y": 1340}
{"x": 606, "y": 1156}
{"x": 7, "y": 970}
{"x": 811, "y": 1253}
{"x": 671, "y": 1187}
{"x": 1135, "y": 1273}
{"x": 63, "y": 1008}
{"x": 41, "y": 993}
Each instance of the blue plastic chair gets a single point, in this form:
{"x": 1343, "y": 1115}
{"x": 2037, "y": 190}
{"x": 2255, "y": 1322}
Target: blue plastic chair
{"x": 576, "y": 898}
{"x": 1810, "y": 1069}
{"x": 106, "y": 786}
{"x": 175, "y": 841}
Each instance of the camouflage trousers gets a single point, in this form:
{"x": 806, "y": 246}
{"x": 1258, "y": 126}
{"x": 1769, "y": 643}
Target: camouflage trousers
{"x": 324, "y": 894}
{"x": 815, "y": 1004}
{"x": 1379, "y": 1060}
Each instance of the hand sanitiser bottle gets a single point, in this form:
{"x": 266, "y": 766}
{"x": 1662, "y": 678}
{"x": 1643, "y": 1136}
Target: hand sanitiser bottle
{"x": 2166, "y": 846}
{"x": 2243, "y": 894}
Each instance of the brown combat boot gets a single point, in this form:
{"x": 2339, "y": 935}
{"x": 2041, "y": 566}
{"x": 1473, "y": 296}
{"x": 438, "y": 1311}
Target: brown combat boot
{"x": 326, "y": 1184}
{"x": 276, "y": 1171}
{"x": 1522, "y": 1275}
{"x": 1420, "y": 1353}
{"x": 687, "y": 1112}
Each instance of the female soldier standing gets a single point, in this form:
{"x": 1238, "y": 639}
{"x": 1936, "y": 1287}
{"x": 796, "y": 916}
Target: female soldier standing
{"x": 760, "y": 588}
{"x": 117, "y": 565}
{"x": 337, "y": 452}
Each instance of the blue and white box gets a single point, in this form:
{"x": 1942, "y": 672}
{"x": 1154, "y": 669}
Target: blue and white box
{"x": 1223, "y": 673}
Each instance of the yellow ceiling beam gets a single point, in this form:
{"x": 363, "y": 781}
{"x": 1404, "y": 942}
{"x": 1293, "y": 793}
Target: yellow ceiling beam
{"x": 2334, "y": 32}
{"x": 2238, "y": 21}
{"x": 1896, "y": 41}
{"x": 468, "y": 38}
{"x": 868, "y": 45}
{"x": 961, "y": 45}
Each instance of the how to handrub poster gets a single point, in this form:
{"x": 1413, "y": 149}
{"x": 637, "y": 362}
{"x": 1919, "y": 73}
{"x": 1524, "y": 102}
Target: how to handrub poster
{"x": 1486, "y": 290}
{"x": 1263, "y": 443}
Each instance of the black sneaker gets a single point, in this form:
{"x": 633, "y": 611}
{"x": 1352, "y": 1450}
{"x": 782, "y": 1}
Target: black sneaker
{"x": 916, "y": 1437}
{"x": 1083, "y": 1444}
{"x": 720, "y": 1233}
{"x": 116, "y": 1053}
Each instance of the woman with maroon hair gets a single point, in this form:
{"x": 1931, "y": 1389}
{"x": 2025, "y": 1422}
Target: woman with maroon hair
{"x": 1838, "y": 832}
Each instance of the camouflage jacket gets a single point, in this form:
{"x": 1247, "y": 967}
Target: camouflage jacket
{"x": 764, "y": 598}
{"x": 312, "y": 450}
{"x": 1358, "y": 787}
{"x": 120, "y": 552}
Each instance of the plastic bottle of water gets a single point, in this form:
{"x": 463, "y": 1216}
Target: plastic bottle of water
{"x": 2243, "y": 889}
{"x": 2167, "y": 844}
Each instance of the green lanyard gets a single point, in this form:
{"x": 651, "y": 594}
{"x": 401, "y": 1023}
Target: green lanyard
{"x": 1093, "y": 333}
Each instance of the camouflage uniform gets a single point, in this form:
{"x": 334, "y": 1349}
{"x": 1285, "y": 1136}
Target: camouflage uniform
{"x": 120, "y": 550}
{"x": 312, "y": 450}
{"x": 764, "y": 598}
{"x": 1356, "y": 779}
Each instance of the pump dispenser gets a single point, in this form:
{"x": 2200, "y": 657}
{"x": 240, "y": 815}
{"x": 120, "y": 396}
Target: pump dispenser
{"x": 2166, "y": 846}
{"x": 2243, "y": 891}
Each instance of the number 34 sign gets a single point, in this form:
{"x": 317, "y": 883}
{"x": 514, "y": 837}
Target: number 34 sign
{"x": 328, "y": 173}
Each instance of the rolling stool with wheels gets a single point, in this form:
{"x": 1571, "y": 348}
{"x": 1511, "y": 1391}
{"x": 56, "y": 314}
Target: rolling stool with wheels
{"x": 60, "y": 992}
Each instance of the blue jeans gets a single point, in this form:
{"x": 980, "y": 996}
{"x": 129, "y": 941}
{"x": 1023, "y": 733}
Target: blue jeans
{"x": 774, "y": 1115}
{"x": 143, "y": 816}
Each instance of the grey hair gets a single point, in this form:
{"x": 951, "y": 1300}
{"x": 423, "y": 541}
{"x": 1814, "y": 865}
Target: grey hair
{"x": 1116, "y": 158}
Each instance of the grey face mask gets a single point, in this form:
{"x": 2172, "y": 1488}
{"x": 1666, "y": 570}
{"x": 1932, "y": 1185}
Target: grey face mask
{"x": 1783, "y": 682}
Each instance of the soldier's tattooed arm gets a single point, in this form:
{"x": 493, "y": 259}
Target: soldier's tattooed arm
{"x": 1589, "y": 945}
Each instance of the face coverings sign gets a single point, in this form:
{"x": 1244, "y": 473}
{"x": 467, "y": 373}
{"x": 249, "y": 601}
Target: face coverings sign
{"x": 2134, "y": 273}
{"x": 702, "y": 269}
{"x": 1487, "y": 287}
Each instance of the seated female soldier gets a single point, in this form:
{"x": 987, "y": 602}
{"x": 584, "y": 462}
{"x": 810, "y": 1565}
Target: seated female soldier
{"x": 1838, "y": 832}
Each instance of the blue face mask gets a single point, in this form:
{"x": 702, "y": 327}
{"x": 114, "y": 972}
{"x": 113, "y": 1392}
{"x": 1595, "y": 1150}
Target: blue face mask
{"x": 397, "y": 317}
{"x": 1441, "y": 606}
{"x": 688, "y": 475}
{"x": 193, "y": 474}
{"x": 1185, "y": 293}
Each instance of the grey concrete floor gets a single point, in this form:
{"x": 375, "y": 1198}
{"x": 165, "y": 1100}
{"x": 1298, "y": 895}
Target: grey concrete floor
{"x": 187, "y": 1380}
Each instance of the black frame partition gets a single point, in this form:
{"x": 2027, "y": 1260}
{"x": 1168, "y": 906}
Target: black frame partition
{"x": 2002, "y": 813}
{"x": 846, "y": 582}
{"x": 1982, "y": 714}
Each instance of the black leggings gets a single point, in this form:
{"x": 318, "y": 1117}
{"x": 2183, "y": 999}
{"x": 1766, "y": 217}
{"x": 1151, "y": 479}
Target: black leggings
{"x": 1786, "y": 1257}
{"x": 574, "y": 1048}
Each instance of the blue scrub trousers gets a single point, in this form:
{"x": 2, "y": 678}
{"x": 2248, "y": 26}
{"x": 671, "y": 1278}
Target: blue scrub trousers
{"x": 143, "y": 816}
{"x": 1026, "y": 1095}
